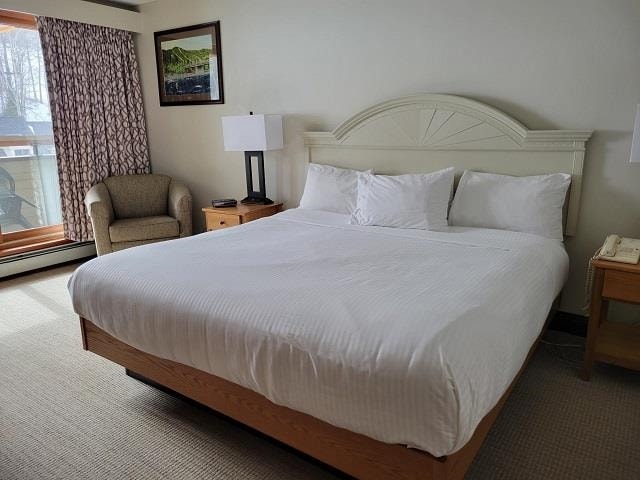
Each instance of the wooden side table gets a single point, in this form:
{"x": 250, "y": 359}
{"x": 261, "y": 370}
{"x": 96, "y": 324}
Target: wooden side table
{"x": 615, "y": 343}
{"x": 218, "y": 218}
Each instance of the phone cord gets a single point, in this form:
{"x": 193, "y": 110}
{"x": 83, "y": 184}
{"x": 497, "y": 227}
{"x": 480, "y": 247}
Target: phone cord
{"x": 588, "y": 284}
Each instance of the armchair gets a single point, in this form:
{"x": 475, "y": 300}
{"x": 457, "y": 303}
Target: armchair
{"x": 132, "y": 210}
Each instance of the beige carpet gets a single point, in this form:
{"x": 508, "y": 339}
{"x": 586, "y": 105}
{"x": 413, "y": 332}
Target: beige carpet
{"x": 68, "y": 414}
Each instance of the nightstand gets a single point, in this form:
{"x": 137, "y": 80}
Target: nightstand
{"x": 217, "y": 218}
{"x": 615, "y": 343}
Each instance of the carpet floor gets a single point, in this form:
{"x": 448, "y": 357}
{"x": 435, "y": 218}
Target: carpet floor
{"x": 69, "y": 414}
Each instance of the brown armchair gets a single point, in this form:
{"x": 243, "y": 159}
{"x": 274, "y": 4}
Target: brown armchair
{"x": 132, "y": 210}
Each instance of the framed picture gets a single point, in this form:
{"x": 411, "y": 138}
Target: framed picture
{"x": 189, "y": 61}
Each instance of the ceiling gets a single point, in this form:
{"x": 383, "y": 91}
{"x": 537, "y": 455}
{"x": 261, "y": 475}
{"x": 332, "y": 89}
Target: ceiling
{"x": 132, "y": 2}
{"x": 125, "y": 4}
{"x": 128, "y": 4}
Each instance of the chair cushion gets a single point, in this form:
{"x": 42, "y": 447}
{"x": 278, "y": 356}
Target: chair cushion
{"x": 145, "y": 228}
{"x": 135, "y": 196}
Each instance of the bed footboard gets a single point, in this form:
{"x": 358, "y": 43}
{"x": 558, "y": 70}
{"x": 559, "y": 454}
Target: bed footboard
{"x": 352, "y": 453}
{"x": 349, "y": 452}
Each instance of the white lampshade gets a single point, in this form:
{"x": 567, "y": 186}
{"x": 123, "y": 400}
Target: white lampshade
{"x": 244, "y": 133}
{"x": 635, "y": 143}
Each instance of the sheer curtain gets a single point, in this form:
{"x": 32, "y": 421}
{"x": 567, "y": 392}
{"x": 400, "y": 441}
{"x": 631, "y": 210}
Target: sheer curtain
{"x": 96, "y": 109}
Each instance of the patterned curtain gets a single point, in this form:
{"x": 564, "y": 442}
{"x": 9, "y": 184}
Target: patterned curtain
{"x": 97, "y": 112}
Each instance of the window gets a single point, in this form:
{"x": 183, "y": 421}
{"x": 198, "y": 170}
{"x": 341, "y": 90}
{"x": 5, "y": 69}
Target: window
{"x": 30, "y": 214}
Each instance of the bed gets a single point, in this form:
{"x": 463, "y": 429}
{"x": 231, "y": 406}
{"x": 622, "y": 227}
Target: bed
{"x": 386, "y": 353}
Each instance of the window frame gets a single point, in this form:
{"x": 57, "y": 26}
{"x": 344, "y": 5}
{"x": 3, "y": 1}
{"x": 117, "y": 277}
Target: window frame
{"x": 17, "y": 19}
{"x": 31, "y": 239}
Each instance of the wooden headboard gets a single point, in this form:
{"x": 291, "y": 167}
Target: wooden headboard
{"x": 427, "y": 132}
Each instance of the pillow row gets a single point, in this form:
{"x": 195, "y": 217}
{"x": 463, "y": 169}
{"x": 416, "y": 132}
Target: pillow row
{"x": 531, "y": 204}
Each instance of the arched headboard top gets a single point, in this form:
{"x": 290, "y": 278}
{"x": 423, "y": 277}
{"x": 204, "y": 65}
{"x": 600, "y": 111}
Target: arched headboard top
{"x": 432, "y": 131}
{"x": 449, "y": 122}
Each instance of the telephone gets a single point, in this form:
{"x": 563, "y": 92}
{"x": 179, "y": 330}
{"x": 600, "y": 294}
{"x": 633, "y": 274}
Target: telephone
{"x": 615, "y": 249}
{"x": 618, "y": 249}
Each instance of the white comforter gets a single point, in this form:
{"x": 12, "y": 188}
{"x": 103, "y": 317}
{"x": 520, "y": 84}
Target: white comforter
{"x": 406, "y": 336}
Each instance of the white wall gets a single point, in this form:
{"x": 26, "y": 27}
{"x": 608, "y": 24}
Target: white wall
{"x": 549, "y": 63}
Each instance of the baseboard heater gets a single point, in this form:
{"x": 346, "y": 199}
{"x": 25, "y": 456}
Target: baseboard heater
{"x": 37, "y": 259}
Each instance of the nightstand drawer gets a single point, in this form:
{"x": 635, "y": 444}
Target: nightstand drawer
{"x": 621, "y": 286}
{"x": 216, "y": 221}
{"x": 217, "y": 218}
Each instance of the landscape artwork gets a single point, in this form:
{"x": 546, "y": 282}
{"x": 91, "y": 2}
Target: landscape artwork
{"x": 190, "y": 65}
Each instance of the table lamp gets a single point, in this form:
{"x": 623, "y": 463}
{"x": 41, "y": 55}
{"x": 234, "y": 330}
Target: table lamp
{"x": 635, "y": 143}
{"x": 253, "y": 134}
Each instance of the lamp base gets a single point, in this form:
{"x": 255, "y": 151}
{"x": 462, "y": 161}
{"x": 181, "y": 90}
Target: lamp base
{"x": 254, "y": 197}
{"x": 256, "y": 201}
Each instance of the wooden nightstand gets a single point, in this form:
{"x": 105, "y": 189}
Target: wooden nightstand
{"x": 616, "y": 343}
{"x": 217, "y": 218}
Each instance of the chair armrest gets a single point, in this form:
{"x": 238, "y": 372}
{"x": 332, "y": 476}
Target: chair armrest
{"x": 180, "y": 205}
{"x": 100, "y": 209}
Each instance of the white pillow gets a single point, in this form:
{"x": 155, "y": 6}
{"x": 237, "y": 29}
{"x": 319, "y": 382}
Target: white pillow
{"x": 522, "y": 204}
{"x": 404, "y": 201}
{"x": 330, "y": 189}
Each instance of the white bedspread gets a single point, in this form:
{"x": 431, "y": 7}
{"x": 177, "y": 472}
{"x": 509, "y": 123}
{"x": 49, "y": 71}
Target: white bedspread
{"x": 406, "y": 336}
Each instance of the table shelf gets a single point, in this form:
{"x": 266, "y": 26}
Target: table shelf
{"x": 619, "y": 344}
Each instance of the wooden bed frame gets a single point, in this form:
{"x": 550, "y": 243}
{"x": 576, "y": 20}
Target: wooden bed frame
{"x": 352, "y": 453}
{"x": 413, "y": 134}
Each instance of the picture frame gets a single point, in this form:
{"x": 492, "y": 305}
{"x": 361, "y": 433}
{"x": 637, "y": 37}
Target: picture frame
{"x": 189, "y": 65}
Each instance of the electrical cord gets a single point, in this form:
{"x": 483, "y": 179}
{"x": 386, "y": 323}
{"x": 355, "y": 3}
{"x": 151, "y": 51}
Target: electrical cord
{"x": 588, "y": 284}
{"x": 562, "y": 345}
{"x": 558, "y": 351}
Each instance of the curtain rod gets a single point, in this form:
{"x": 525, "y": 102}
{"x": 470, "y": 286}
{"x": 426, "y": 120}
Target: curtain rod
{"x": 73, "y": 10}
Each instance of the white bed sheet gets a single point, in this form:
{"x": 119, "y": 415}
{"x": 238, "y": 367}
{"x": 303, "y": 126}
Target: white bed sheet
{"x": 407, "y": 336}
